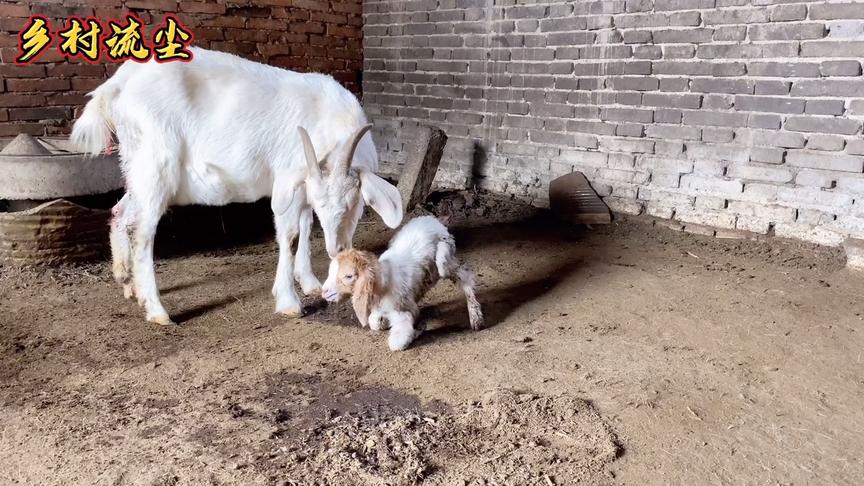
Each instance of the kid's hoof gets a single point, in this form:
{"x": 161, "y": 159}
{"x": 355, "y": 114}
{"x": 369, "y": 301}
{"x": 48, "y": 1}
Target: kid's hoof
{"x": 400, "y": 341}
{"x": 378, "y": 324}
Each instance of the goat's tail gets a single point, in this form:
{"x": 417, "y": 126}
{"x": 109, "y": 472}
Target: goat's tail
{"x": 92, "y": 131}
{"x": 475, "y": 313}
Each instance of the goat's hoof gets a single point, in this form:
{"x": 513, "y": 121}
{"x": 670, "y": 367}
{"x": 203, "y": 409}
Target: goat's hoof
{"x": 311, "y": 289}
{"x": 310, "y": 286}
{"x": 162, "y": 320}
{"x": 128, "y": 291}
{"x": 121, "y": 273}
{"x": 291, "y": 311}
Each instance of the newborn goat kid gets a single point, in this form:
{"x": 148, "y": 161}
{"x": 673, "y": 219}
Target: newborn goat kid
{"x": 389, "y": 287}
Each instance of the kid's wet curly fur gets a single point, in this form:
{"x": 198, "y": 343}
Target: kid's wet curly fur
{"x": 387, "y": 289}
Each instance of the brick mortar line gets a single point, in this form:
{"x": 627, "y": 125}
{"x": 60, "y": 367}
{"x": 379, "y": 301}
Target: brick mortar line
{"x": 730, "y": 77}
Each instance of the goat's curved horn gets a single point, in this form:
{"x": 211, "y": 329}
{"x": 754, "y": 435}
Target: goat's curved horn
{"x": 311, "y": 158}
{"x": 345, "y": 164}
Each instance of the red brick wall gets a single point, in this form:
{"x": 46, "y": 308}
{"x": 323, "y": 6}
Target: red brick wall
{"x": 303, "y": 35}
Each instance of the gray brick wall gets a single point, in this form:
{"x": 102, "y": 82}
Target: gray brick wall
{"x": 724, "y": 115}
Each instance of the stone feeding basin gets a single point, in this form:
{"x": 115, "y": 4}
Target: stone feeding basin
{"x": 54, "y": 202}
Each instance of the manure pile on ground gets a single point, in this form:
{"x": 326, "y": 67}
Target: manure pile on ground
{"x": 507, "y": 438}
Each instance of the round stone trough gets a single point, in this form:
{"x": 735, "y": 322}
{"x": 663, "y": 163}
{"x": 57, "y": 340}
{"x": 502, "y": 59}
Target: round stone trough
{"x": 54, "y": 202}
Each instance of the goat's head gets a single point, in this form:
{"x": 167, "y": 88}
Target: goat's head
{"x": 351, "y": 271}
{"x": 338, "y": 193}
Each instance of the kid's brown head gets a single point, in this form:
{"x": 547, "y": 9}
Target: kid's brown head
{"x": 349, "y": 268}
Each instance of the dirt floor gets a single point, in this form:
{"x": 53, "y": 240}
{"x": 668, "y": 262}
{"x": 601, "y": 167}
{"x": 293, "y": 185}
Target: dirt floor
{"x": 627, "y": 354}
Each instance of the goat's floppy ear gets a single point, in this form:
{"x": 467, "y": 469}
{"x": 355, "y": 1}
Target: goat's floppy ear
{"x": 286, "y": 185}
{"x": 383, "y": 197}
{"x": 309, "y": 150}
{"x": 363, "y": 296}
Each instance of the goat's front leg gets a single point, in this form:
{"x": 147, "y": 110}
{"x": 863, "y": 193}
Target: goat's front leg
{"x": 402, "y": 331}
{"x": 122, "y": 220}
{"x": 303, "y": 261}
{"x": 287, "y": 301}
{"x": 143, "y": 271}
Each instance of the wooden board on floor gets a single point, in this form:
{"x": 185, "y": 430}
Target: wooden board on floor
{"x": 572, "y": 199}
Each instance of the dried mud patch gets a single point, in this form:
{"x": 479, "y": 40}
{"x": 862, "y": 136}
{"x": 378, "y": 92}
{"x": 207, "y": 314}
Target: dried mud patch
{"x": 335, "y": 433}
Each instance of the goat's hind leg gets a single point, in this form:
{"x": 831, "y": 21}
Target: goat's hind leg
{"x": 464, "y": 278}
{"x": 151, "y": 182}
{"x": 450, "y": 268}
{"x": 121, "y": 251}
{"x": 143, "y": 272}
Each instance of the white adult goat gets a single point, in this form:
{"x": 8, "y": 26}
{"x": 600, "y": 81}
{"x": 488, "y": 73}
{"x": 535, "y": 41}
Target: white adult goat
{"x": 221, "y": 129}
{"x": 389, "y": 288}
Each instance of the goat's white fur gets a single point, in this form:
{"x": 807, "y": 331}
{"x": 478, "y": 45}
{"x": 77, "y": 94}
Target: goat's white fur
{"x": 388, "y": 289}
{"x": 221, "y": 129}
